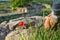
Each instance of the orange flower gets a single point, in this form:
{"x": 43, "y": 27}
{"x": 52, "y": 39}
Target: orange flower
{"x": 21, "y": 23}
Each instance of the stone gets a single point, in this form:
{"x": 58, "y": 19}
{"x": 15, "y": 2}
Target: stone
{"x": 13, "y": 23}
{"x": 3, "y": 24}
{"x": 17, "y": 34}
{"x": 32, "y": 20}
{"x": 6, "y": 27}
{"x": 3, "y": 33}
{"x": 39, "y": 20}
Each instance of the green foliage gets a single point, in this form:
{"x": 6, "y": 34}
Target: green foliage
{"x": 28, "y": 1}
{"x": 45, "y": 1}
{"x": 18, "y": 3}
{"x": 45, "y": 11}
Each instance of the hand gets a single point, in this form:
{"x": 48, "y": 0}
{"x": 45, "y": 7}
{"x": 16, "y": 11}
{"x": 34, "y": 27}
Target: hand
{"x": 46, "y": 23}
{"x": 49, "y": 21}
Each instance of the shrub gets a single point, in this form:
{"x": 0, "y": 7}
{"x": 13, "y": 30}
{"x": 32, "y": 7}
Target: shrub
{"x": 45, "y": 11}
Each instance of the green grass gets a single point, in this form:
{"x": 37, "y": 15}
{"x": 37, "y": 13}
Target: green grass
{"x": 42, "y": 34}
{"x": 39, "y": 33}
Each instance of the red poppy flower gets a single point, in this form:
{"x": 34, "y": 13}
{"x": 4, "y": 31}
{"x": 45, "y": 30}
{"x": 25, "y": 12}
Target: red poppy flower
{"x": 21, "y": 23}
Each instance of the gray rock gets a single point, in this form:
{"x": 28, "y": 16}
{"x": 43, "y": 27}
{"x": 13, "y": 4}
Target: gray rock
{"x": 33, "y": 20}
{"x": 3, "y": 24}
{"x": 39, "y": 20}
{"x": 12, "y": 23}
{"x": 3, "y": 33}
{"x": 17, "y": 34}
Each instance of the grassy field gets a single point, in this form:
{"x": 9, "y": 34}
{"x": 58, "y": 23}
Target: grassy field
{"x": 39, "y": 33}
